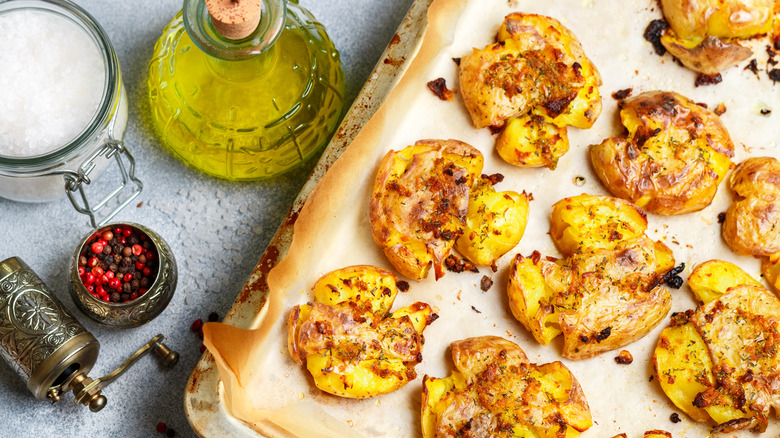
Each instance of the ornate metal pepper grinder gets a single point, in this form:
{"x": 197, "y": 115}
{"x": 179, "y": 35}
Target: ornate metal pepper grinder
{"x": 49, "y": 349}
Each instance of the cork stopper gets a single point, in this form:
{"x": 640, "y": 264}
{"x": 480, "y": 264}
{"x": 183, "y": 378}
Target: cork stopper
{"x": 234, "y": 19}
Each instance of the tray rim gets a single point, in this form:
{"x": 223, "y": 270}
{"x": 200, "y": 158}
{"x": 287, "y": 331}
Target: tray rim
{"x": 204, "y": 409}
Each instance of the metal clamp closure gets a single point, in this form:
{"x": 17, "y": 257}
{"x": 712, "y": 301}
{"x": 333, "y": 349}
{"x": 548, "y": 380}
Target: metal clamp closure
{"x": 75, "y": 180}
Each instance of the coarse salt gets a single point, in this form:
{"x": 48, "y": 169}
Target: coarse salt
{"x": 51, "y": 82}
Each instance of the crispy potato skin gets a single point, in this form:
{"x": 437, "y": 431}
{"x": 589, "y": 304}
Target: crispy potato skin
{"x": 721, "y": 361}
{"x": 348, "y": 339}
{"x": 711, "y": 56}
{"x": 701, "y": 32}
{"x": 752, "y": 225}
{"x": 673, "y": 159}
{"x": 535, "y": 80}
{"x": 606, "y": 293}
{"x": 496, "y": 392}
{"x": 420, "y": 201}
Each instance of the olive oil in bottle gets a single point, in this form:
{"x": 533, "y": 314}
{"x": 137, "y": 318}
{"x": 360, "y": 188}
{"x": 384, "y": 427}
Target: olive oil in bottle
{"x": 240, "y": 101}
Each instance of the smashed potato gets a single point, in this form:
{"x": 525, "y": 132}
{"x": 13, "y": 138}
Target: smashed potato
{"x": 535, "y": 80}
{"x": 348, "y": 339}
{"x": 702, "y": 34}
{"x": 721, "y": 361}
{"x": 495, "y": 223}
{"x": 606, "y": 293}
{"x": 431, "y": 196}
{"x": 675, "y": 155}
{"x": 497, "y": 392}
{"x": 420, "y": 201}
{"x": 752, "y": 224}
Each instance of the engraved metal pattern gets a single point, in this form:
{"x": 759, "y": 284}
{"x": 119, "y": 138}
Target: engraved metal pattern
{"x": 33, "y": 324}
{"x": 139, "y": 311}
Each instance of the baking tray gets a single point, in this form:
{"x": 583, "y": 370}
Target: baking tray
{"x": 205, "y": 411}
{"x": 620, "y": 397}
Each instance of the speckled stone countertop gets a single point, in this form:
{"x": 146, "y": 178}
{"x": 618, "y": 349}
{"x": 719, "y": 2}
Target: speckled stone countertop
{"x": 217, "y": 230}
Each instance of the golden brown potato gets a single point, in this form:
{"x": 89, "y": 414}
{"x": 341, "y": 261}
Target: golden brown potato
{"x": 721, "y": 362}
{"x": 607, "y": 292}
{"x": 496, "y": 392}
{"x": 495, "y": 223}
{"x": 713, "y": 278}
{"x": 420, "y": 201}
{"x": 589, "y": 222}
{"x": 752, "y": 224}
{"x": 675, "y": 155}
{"x": 350, "y": 343}
{"x": 701, "y": 32}
{"x": 710, "y": 56}
{"x": 536, "y": 79}
{"x": 531, "y": 140}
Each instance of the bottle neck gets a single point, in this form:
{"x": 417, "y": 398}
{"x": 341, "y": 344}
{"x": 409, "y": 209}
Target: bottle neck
{"x": 198, "y": 24}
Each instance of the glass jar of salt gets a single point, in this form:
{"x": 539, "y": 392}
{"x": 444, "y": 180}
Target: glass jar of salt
{"x": 63, "y": 110}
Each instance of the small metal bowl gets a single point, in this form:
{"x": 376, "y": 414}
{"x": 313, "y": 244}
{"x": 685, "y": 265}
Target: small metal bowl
{"x": 140, "y": 310}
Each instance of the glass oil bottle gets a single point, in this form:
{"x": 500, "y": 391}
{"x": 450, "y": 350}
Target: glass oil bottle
{"x": 245, "y": 107}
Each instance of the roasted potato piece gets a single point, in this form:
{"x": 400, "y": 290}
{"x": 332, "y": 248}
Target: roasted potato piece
{"x": 673, "y": 159}
{"x": 752, "y": 224}
{"x": 532, "y": 140}
{"x": 710, "y": 56}
{"x": 694, "y": 20}
{"x": 496, "y": 392}
{"x": 350, "y": 343}
{"x": 495, "y": 223}
{"x": 714, "y": 278}
{"x": 589, "y": 222}
{"x": 607, "y": 292}
{"x": 770, "y": 267}
{"x": 420, "y": 201}
{"x": 535, "y": 80}
{"x": 722, "y": 361}
{"x": 701, "y": 32}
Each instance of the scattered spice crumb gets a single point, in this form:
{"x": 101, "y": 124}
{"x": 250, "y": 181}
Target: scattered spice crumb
{"x": 624, "y": 357}
{"x": 765, "y": 111}
{"x": 213, "y": 317}
{"x": 774, "y": 75}
{"x": 494, "y": 178}
{"x": 454, "y": 264}
{"x": 653, "y": 35}
{"x": 402, "y": 285}
{"x": 161, "y": 427}
{"x": 703, "y": 105}
{"x": 475, "y": 309}
{"x": 486, "y": 283}
{"x": 675, "y": 418}
{"x": 456, "y": 61}
{"x": 650, "y": 379}
{"x": 622, "y": 94}
{"x": 579, "y": 180}
{"x": 140, "y": 204}
{"x": 496, "y": 129}
{"x": 721, "y": 217}
{"x": 720, "y": 109}
{"x": 702, "y": 79}
{"x": 439, "y": 88}
{"x": 752, "y": 66}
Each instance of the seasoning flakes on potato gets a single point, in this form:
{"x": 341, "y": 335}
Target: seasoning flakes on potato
{"x": 534, "y": 81}
{"x": 721, "y": 361}
{"x": 607, "y": 292}
{"x": 704, "y": 34}
{"x": 497, "y": 392}
{"x": 348, "y": 339}
{"x": 674, "y": 157}
{"x": 430, "y": 196}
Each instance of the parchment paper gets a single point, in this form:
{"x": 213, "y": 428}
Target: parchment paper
{"x": 261, "y": 384}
